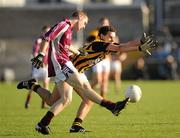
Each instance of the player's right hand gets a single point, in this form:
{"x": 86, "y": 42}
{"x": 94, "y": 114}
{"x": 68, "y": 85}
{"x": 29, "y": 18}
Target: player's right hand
{"x": 37, "y": 61}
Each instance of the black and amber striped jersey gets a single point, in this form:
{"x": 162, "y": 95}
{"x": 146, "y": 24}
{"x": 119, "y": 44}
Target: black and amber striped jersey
{"x": 96, "y": 52}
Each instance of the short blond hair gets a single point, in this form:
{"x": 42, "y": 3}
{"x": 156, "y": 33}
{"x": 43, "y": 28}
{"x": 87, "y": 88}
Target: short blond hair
{"x": 79, "y": 13}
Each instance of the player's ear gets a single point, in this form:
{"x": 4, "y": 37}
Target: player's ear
{"x": 80, "y": 16}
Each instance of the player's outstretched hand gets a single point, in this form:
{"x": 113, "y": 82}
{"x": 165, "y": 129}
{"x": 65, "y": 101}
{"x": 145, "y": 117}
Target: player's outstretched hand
{"x": 148, "y": 42}
{"x": 37, "y": 61}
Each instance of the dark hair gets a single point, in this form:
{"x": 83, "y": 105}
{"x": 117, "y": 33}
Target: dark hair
{"x": 77, "y": 13}
{"x": 105, "y": 29}
{"x": 91, "y": 38}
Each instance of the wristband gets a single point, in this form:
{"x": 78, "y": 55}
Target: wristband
{"x": 42, "y": 53}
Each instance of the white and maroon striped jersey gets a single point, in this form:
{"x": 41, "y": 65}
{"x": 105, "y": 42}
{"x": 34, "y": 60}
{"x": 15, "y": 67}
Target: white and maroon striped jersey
{"x": 60, "y": 38}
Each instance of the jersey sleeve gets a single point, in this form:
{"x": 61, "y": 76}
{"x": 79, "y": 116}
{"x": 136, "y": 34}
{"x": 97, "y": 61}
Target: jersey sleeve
{"x": 36, "y": 47}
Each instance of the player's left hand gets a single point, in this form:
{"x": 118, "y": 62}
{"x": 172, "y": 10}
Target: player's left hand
{"x": 37, "y": 61}
{"x": 148, "y": 42}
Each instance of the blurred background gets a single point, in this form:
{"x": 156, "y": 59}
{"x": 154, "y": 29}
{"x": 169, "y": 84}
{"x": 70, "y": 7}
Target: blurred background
{"x": 21, "y": 22}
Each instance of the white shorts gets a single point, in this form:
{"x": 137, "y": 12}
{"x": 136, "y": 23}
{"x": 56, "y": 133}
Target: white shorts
{"x": 40, "y": 74}
{"x": 63, "y": 72}
{"x": 116, "y": 65}
{"x": 103, "y": 66}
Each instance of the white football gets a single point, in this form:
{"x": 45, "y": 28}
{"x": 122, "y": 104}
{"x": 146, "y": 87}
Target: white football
{"x": 133, "y": 92}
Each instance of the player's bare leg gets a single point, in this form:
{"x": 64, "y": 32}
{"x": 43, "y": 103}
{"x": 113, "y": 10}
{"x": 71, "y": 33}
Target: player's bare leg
{"x": 66, "y": 96}
{"x": 104, "y": 84}
{"x": 43, "y": 104}
{"x": 97, "y": 81}
{"x": 82, "y": 112}
{"x": 117, "y": 79}
{"x": 28, "y": 98}
{"x": 46, "y": 95}
{"x": 46, "y": 86}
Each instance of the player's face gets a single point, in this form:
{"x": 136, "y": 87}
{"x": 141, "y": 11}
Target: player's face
{"x": 109, "y": 37}
{"x": 105, "y": 22}
{"x": 82, "y": 22}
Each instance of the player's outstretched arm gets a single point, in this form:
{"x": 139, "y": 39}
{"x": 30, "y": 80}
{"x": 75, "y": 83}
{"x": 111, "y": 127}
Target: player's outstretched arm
{"x": 145, "y": 44}
{"x": 124, "y": 47}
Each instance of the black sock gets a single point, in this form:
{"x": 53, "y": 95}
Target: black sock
{"x": 108, "y": 104}
{"x": 35, "y": 87}
{"x": 77, "y": 121}
{"x": 45, "y": 121}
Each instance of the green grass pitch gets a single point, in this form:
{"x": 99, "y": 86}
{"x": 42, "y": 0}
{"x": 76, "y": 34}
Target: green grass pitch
{"x": 156, "y": 115}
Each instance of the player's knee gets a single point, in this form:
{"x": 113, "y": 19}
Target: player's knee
{"x": 82, "y": 87}
{"x": 66, "y": 100}
{"x": 86, "y": 86}
{"x": 50, "y": 102}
